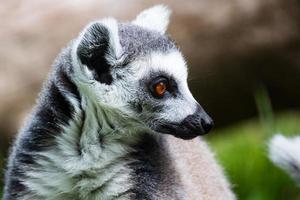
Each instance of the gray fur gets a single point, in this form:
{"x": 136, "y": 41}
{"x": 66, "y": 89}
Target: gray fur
{"x": 137, "y": 41}
{"x": 96, "y": 132}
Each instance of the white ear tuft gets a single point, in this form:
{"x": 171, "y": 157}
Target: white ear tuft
{"x": 112, "y": 26}
{"x": 154, "y": 18}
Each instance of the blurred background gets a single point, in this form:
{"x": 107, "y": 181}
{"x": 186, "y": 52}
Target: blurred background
{"x": 244, "y": 59}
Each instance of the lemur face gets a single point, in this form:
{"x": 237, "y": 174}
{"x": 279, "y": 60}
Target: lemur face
{"x": 136, "y": 68}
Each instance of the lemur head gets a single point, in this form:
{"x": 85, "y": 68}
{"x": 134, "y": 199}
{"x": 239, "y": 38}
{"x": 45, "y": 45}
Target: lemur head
{"x": 136, "y": 68}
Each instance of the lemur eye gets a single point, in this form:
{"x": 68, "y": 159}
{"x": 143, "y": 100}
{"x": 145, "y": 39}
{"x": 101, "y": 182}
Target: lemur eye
{"x": 159, "y": 86}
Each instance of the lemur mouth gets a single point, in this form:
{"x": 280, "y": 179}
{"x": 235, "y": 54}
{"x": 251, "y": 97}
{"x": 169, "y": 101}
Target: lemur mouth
{"x": 181, "y": 131}
{"x": 192, "y": 126}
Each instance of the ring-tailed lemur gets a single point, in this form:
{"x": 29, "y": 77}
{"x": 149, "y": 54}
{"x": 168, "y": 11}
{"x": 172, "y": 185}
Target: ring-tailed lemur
{"x": 97, "y": 130}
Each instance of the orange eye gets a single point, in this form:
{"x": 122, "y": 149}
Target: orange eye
{"x": 160, "y": 88}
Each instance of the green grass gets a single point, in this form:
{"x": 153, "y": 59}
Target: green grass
{"x": 242, "y": 150}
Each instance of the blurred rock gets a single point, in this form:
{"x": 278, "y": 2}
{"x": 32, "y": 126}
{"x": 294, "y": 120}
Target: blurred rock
{"x": 231, "y": 48}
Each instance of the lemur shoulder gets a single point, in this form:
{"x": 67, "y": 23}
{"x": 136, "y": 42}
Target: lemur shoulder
{"x": 105, "y": 121}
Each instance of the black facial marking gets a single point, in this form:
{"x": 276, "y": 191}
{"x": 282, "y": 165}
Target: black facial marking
{"x": 92, "y": 52}
{"x": 173, "y": 87}
{"x": 156, "y": 81}
{"x": 190, "y": 127}
{"x": 156, "y": 77}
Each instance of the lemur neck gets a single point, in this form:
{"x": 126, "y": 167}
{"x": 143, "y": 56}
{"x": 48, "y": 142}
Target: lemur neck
{"x": 122, "y": 157}
{"x": 99, "y": 148}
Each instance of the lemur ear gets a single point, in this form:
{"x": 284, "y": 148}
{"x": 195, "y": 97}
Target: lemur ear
{"x": 99, "y": 48}
{"x": 155, "y": 18}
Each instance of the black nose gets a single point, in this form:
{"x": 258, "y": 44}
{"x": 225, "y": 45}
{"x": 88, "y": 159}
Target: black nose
{"x": 198, "y": 123}
{"x": 190, "y": 127}
{"x": 207, "y": 124}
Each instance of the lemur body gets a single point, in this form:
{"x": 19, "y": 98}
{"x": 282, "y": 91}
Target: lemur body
{"x": 96, "y": 132}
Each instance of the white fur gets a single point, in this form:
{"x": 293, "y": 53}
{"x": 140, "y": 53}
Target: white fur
{"x": 173, "y": 64}
{"x": 83, "y": 76}
{"x": 112, "y": 27}
{"x": 80, "y": 166}
{"x": 155, "y": 18}
{"x": 200, "y": 175}
{"x": 102, "y": 164}
{"x": 285, "y": 152}
{"x": 67, "y": 171}
{"x": 64, "y": 168}
{"x": 114, "y": 55}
